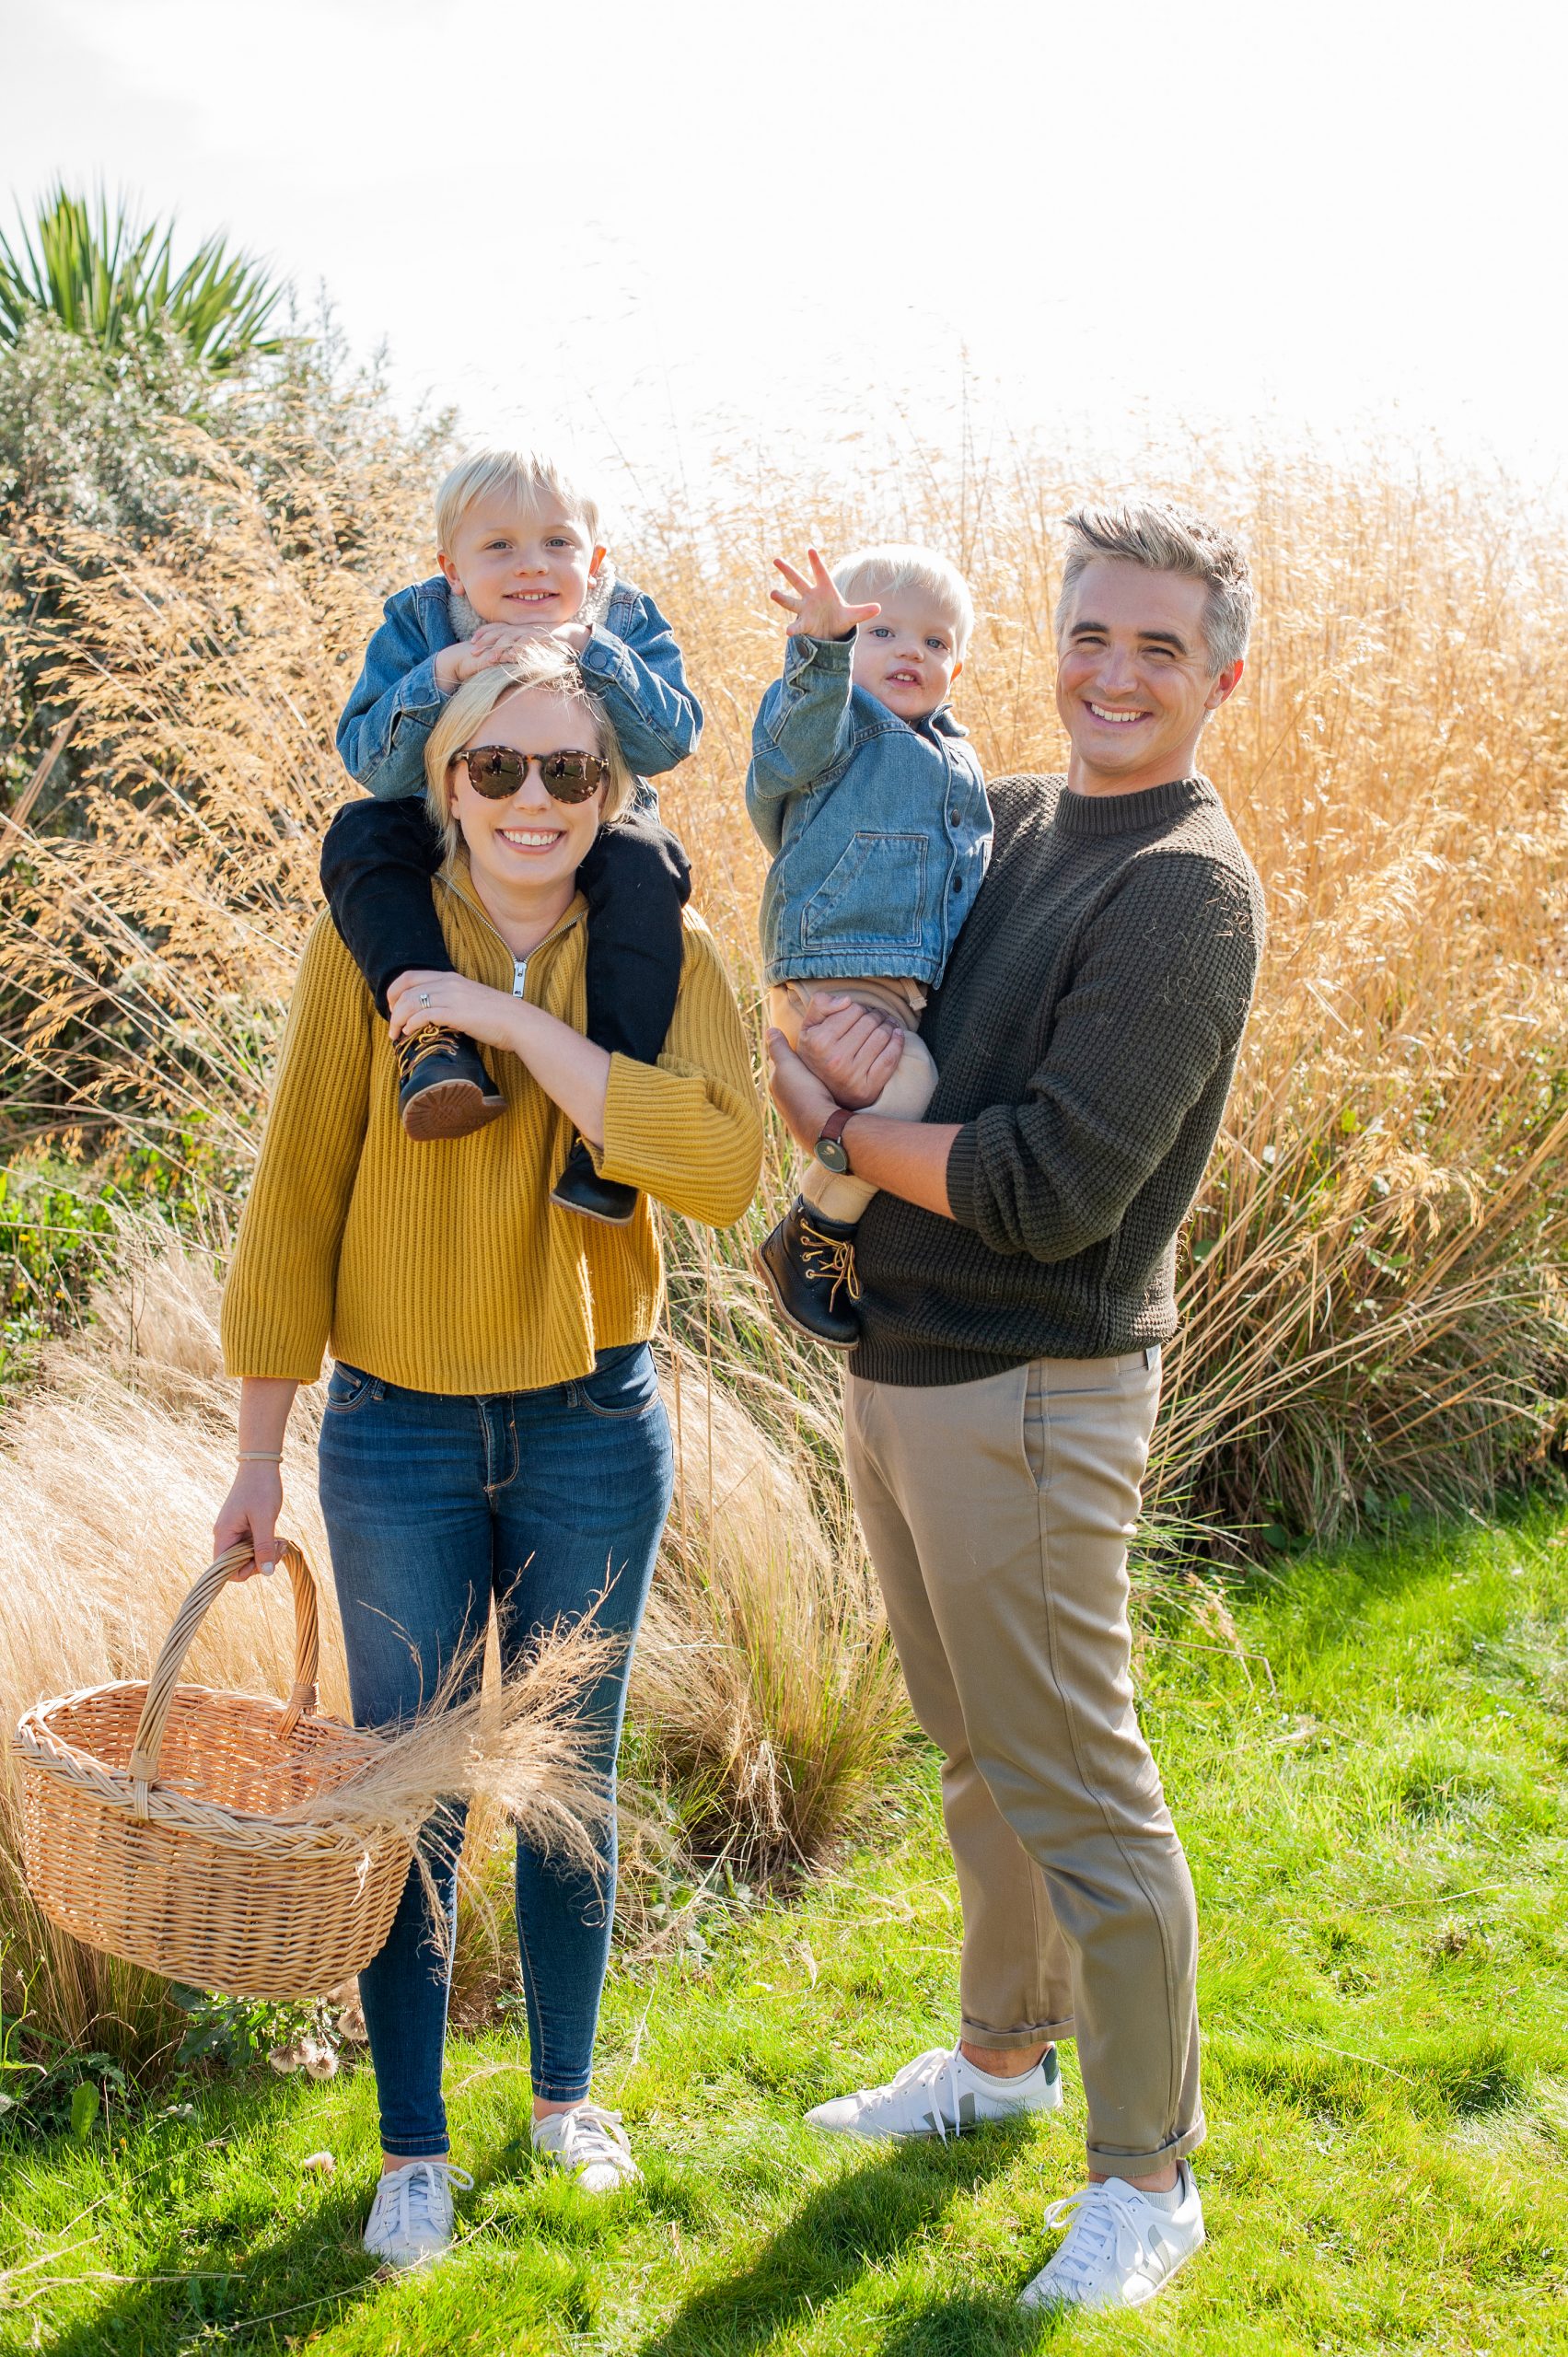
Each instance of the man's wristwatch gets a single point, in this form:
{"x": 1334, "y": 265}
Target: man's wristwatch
{"x": 831, "y": 1149}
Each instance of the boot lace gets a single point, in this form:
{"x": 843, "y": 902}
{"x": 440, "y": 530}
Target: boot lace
{"x": 829, "y": 1256}
{"x": 416, "y": 1048}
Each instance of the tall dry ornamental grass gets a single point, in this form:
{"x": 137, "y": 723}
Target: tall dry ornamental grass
{"x": 764, "y": 1685}
{"x": 1373, "y": 1295}
{"x": 1372, "y": 1283}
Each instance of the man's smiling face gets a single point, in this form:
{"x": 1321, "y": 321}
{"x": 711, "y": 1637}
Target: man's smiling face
{"x": 1134, "y": 679}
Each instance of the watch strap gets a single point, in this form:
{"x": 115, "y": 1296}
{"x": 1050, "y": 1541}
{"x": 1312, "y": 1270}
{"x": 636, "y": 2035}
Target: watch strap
{"x": 832, "y": 1151}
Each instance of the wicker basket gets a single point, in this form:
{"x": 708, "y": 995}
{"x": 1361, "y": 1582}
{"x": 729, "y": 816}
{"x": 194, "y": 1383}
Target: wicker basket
{"x": 159, "y": 1821}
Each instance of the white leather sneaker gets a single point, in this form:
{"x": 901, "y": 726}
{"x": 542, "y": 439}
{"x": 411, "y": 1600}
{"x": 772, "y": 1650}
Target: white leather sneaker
{"x": 590, "y": 2144}
{"x": 411, "y": 2219}
{"x": 941, "y": 2093}
{"x": 1119, "y": 2248}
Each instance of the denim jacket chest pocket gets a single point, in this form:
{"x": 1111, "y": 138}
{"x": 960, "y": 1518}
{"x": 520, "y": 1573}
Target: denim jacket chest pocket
{"x": 873, "y": 896}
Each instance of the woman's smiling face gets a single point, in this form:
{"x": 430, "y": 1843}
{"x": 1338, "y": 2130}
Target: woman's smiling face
{"x": 530, "y": 843}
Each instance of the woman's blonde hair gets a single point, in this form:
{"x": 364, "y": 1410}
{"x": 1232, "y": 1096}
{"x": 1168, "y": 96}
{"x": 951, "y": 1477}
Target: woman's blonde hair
{"x": 543, "y": 665}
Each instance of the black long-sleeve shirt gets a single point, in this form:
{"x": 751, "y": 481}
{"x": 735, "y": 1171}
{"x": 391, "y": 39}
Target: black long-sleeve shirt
{"x": 1084, "y": 1033}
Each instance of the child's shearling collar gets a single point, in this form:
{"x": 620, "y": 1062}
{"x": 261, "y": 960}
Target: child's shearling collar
{"x": 595, "y": 605}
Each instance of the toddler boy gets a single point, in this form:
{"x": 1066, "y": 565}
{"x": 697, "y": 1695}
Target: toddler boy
{"x": 520, "y": 557}
{"x": 864, "y": 789}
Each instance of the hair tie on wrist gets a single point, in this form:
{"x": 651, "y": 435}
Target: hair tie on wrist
{"x": 260, "y": 1457}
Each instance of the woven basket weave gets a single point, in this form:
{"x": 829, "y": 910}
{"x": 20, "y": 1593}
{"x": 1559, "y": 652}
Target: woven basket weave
{"x": 159, "y": 1821}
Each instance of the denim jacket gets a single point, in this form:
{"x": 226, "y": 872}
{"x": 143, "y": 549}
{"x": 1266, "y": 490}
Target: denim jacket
{"x": 879, "y": 827}
{"x": 631, "y": 661}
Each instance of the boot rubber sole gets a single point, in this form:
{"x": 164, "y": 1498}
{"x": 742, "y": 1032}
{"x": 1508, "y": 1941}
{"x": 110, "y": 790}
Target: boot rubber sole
{"x": 605, "y": 1219}
{"x": 788, "y": 1318}
{"x": 449, "y": 1109}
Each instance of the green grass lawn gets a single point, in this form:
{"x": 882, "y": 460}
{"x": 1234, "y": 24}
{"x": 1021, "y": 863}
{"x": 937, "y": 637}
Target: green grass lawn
{"x": 1370, "y": 1796}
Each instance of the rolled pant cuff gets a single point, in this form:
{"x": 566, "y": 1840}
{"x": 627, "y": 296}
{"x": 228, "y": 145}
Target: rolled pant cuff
{"x": 1116, "y": 2164}
{"x": 555, "y": 2091}
{"x": 981, "y": 2034}
{"x": 416, "y": 2148}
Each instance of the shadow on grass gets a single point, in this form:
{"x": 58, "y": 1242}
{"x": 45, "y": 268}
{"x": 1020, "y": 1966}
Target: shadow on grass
{"x": 861, "y": 2221}
{"x": 293, "y": 2285}
{"x": 255, "y": 2269}
{"x": 261, "y": 2277}
{"x": 972, "y": 2324}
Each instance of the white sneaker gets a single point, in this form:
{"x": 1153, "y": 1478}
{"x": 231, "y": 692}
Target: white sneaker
{"x": 590, "y": 2144}
{"x": 941, "y": 2093}
{"x": 411, "y": 2219}
{"x": 1119, "y": 2249}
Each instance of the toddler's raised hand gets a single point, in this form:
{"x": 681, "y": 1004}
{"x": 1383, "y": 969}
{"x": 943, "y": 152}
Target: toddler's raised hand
{"x": 818, "y": 610}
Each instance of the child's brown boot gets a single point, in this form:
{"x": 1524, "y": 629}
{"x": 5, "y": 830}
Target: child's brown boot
{"x": 444, "y": 1090}
{"x": 807, "y": 1265}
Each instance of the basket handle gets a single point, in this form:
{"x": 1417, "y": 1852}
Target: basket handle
{"x": 142, "y": 1766}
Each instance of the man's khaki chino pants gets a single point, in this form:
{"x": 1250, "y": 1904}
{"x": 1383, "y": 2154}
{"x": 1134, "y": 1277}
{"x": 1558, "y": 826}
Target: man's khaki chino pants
{"x": 998, "y": 1516}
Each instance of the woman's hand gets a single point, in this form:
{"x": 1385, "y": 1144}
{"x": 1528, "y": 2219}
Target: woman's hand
{"x": 852, "y": 1050}
{"x": 818, "y": 610}
{"x": 418, "y": 998}
{"x": 571, "y": 1070}
{"x": 249, "y": 1516}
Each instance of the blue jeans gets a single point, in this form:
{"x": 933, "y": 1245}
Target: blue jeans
{"x": 544, "y": 1500}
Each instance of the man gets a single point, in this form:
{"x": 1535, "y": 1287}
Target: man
{"x": 1018, "y": 1274}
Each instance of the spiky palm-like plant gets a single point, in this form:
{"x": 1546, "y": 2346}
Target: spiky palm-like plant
{"x": 112, "y": 280}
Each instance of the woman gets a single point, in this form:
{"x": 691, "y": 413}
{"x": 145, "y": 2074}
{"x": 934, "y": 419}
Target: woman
{"x": 494, "y": 1427}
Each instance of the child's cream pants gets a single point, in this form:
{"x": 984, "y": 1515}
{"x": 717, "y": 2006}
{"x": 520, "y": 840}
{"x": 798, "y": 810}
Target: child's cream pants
{"x": 906, "y": 1095}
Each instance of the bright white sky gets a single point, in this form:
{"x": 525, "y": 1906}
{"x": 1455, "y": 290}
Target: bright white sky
{"x": 607, "y": 227}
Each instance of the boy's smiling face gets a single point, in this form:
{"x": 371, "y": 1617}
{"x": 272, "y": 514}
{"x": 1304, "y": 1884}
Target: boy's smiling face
{"x": 522, "y": 565}
{"x": 908, "y": 658}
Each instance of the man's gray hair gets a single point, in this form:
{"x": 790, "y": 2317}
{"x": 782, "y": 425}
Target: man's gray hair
{"x": 1167, "y": 540}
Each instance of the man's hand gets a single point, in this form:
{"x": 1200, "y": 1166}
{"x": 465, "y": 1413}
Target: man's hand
{"x": 485, "y": 1013}
{"x": 800, "y": 1097}
{"x": 852, "y": 1050}
{"x": 818, "y": 610}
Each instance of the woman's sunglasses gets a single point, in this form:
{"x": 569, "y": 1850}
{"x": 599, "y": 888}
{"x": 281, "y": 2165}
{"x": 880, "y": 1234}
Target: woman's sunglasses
{"x": 497, "y": 771}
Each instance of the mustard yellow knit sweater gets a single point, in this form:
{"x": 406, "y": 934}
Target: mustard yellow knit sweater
{"x": 444, "y": 1267}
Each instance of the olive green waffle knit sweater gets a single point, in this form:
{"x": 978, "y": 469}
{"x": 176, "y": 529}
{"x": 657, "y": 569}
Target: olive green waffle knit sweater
{"x": 444, "y": 1267}
{"x": 1084, "y": 1034}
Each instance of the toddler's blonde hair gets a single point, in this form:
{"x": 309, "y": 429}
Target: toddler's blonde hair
{"x": 898, "y": 565}
{"x": 544, "y": 663}
{"x": 523, "y": 475}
